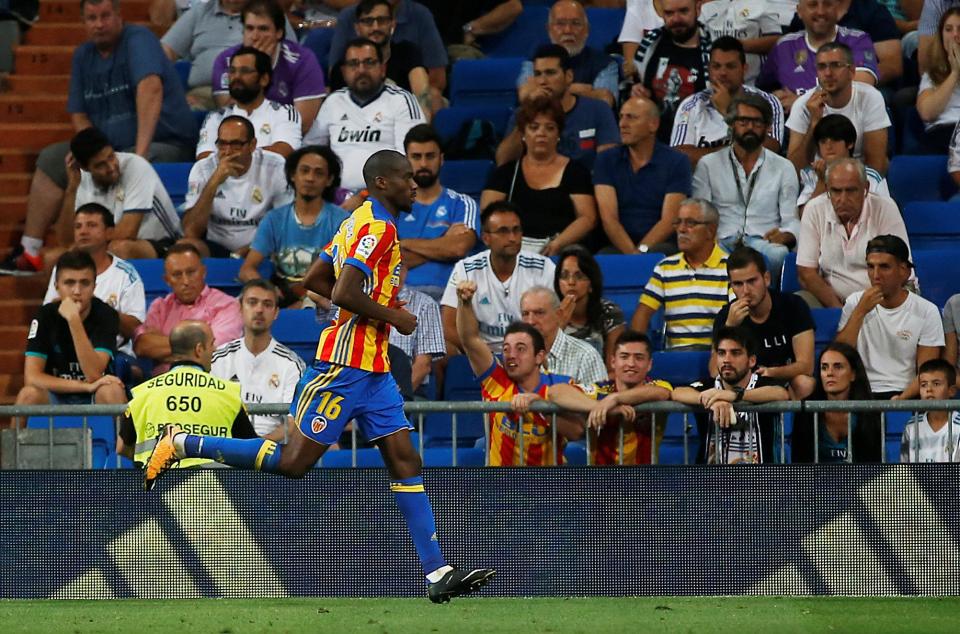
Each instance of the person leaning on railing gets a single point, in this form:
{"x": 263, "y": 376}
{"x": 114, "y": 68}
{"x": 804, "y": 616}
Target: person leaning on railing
{"x": 841, "y": 377}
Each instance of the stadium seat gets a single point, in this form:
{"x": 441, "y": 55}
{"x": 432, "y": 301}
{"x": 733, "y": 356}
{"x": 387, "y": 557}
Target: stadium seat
{"x": 825, "y": 321}
{"x": 318, "y": 41}
{"x": 366, "y": 458}
{"x": 521, "y": 38}
{"x": 624, "y": 277}
{"x": 680, "y": 367}
{"x": 448, "y": 121}
{"x": 182, "y": 67}
{"x": 789, "y": 282}
{"x": 443, "y": 457}
{"x": 938, "y": 279}
{"x": 913, "y": 178}
{"x": 932, "y": 224}
{"x": 913, "y": 131}
{"x": 221, "y": 274}
{"x": 605, "y": 25}
{"x": 459, "y": 385}
{"x": 575, "y": 453}
{"x": 299, "y": 330}
{"x": 485, "y": 82}
{"x": 896, "y": 422}
{"x": 102, "y": 432}
{"x": 466, "y": 177}
{"x": 174, "y": 178}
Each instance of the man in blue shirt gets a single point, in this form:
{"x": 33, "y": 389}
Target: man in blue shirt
{"x": 122, "y": 84}
{"x": 639, "y": 185}
{"x": 443, "y": 225}
{"x": 589, "y": 127}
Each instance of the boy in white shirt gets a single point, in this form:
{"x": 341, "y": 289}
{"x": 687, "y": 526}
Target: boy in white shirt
{"x": 933, "y": 436}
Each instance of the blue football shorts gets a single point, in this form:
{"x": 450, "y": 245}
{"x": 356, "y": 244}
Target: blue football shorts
{"x": 328, "y": 396}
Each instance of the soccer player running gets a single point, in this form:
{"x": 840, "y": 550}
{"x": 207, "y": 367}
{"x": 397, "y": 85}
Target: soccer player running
{"x": 350, "y": 379}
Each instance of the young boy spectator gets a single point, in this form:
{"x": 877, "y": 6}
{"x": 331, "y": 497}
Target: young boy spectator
{"x": 933, "y": 436}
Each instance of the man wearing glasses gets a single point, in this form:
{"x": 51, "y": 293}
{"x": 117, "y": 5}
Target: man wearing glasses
{"x": 838, "y": 93}
{"x": 229, "y": 192}
{"x": 277, "y": 125}
{"x": 691, "y": 286}
{"x": 755, "y": 190}
{"x": 365, "y": 117}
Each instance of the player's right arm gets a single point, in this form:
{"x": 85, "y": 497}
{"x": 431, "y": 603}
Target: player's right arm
{"x": 468, "y": 328}
{"x": 348, "y": 294}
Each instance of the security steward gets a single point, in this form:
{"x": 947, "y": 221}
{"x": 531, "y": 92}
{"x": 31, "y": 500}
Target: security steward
{"x": 186, "y": 395}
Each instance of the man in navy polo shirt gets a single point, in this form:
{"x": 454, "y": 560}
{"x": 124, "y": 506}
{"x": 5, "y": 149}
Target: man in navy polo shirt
{"x": 443, "y": 225}
{"x": 589, "y": 126}
{"x": 639, "y": 185}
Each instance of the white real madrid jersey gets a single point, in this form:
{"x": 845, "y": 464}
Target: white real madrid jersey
{"x": 272, "y": 122}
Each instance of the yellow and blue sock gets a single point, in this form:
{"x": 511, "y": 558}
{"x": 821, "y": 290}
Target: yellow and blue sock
{"x": 415, "y": 507}
{"x": 253, "y": 453}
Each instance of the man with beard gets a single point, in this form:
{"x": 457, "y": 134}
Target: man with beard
{"x": 754, "y": 189}
{"x": 595, "y": 74}
{"x": 671, "y": 62}
{"x": 229, "y": 193}
{"x": 277, "y": 126}
{"x": 443, "y": 225}
{"x": 376, "y": 21}
{"x": 365, "y": 117}
{"x": 701, "y": 124}
{"x": 731, "y": 437}
{"x": 266, "y": 370}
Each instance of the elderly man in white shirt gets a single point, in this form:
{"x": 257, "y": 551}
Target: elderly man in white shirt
{"x": 834, "y": 233}
{"x": 755, "y": 190}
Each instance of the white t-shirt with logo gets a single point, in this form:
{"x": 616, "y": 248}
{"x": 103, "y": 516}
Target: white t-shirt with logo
{"x": 700, "y": 124}
{"x": 496, "y": 303}
{"x": 743, "y": 20}
{"x": 355, "y": 132}
{"x": 889, "y": 337}
{"x": 240, "y": 203}
{"x": 920, "y": 443}
{"x": 866, "y": 111}
{"x": 140, "y": 191}
{"x": 272, "y": 122}
{"x": 269, "y": 377}
{"x": 120, "y": 287}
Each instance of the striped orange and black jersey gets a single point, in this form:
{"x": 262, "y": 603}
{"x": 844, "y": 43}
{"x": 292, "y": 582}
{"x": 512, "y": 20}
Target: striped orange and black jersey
{"x": 368, "y": 241}
{"x": 495, "y": 385}
{"x": 605, "y": 444}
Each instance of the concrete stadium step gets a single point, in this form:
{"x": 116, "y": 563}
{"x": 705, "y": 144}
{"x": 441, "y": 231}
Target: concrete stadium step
{"x": 14, "y": 184}
{"x": 69, "y": 10}
{"x": 10, "y": 233}
{"x": 30, "y": 286}
{"x": 13, "y": 338}
{"x": 13, "y": 161}
{"x": 13, "y": 208}
{"x": 33, "y": 109}
{"x": 34, "y": 136}
{"x": 55, "y": 34}
{"x": 10, "y": 384}
{"x": 41, "y": 60}
{"x": 21, "y": 311}
{"x": 11, "y": 361}
{"x": 38, "y": 84}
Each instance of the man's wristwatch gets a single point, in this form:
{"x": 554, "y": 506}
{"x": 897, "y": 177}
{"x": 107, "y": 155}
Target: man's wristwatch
{"x": 739, "y": 392}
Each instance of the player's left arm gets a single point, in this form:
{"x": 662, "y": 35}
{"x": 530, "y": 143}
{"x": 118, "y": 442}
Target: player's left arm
{"x": 320, "y": 278}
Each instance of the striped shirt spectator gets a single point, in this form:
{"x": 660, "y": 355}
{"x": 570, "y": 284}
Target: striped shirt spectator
{"x": 426, "y": 343}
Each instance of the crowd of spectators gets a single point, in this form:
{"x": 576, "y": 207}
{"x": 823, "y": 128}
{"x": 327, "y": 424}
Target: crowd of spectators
{"x": 722, "y": 135}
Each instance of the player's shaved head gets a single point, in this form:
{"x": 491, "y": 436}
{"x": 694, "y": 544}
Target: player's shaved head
{"x": 384, "y": 163}
{"x": 186, "y": 335}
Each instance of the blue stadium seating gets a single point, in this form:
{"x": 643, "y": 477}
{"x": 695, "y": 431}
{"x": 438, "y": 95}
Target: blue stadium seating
{"x": 575, "y": 453}
{"x": 605, "y": 26}
{"x": 343, "y": 458}
{"x": 938, "y": 279}
{"x": 789, "y": 283}
{"x": 485, "y": 82}
{"x": 825, "y": 321}
{"x": 466, "y": 177}
{"x": 318, "y": 41}
{"x": 680, "y": 367}
{"x": 459, "y": 385}
{"x": 896, "y": 422}
{"x": 103, "y": 435}
{"x": 174, "y": 177}
{"x": 448, "y": 121}
{"x": 931, "y": 225}
{"x": 912, "y": 178}
{"x": 522, "y": 37}
{"x": 221, "y": 274}
{"x": 299, "y": 330}
{"x": 624, "y": 277}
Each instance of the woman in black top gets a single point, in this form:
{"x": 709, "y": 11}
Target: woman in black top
{"x": 554, "y": 194}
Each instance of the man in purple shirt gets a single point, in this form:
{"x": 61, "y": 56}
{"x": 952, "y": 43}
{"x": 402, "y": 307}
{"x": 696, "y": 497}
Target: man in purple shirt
{"x": 297, "y": 77}
{"x": 790, "y": 69}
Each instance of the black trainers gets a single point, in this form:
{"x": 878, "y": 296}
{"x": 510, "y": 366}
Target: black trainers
{"x": 19, "y": 262}
{"x": 457, "y": 583}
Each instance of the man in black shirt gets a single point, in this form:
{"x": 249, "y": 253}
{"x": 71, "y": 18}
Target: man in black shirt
{"x": 375, "y": 21}
{"x": 728, "y": 436}
{"x": 781, "y": 324}
{"x": 671, "y": 62}
{"x": 72, "y": 342}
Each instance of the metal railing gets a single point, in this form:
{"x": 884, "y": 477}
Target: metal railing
{"x": 417, "y": 410}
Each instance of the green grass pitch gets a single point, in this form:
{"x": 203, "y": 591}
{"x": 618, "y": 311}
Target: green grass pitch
{"x": 554, "y": 615}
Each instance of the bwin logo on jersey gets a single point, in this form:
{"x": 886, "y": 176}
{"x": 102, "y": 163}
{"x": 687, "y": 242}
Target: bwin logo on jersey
{"x": 359, "y": 136}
